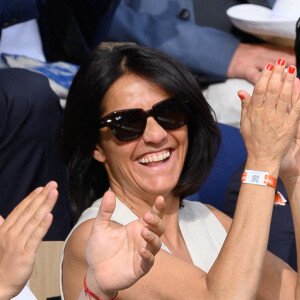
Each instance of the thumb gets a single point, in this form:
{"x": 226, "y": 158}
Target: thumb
{"x": 245, "y": 100}
{"x": 105, "y": 211}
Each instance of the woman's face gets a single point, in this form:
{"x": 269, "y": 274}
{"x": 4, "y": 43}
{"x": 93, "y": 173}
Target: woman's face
{"x": 126, "y": 162}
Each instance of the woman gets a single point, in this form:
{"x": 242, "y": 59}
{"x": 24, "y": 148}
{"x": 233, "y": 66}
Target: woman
{"x": 24, "y": 228}
{"x": 136, "y": 122}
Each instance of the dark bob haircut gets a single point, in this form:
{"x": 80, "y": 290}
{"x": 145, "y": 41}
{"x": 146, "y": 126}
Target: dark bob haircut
{"x": 79, "y": 130}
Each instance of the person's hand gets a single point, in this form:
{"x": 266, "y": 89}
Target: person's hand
{"x": 250, "y": 59}
{"x": 20, "y": 236}
{"x": 119, "y": 256}
{"x": 290, "y": 166}
{"x": 269, "y": 119}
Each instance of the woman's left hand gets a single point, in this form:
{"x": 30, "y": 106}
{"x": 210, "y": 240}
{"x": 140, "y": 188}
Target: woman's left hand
{"x": 270, "y": 120}
{"x": 290, "y": 166}
{"x": 120, "y": 255}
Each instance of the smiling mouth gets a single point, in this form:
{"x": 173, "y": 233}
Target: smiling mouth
{"x": 153, "y": 160}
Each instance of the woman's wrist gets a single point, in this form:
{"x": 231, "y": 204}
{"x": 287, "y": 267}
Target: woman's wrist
{"x": 264, "y": 166}
{"x": 92, "y": 286}
{"x": 259, "y": 178}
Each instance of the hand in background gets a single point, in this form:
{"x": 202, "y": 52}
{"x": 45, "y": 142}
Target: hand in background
{"x": 250, "y": 59}
{"x": 120, "y": 255}
{"x": 20, "y": 236}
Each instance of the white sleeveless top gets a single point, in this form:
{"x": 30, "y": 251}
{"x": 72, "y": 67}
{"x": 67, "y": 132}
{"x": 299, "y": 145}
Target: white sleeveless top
{"x": 203, "y": 234}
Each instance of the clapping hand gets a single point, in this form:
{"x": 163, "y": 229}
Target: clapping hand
{"x": 270, "y": 118}
{"x": 20, "y": 236}
{"x": 290, "y": 166}
{"x": 120, "y": 255}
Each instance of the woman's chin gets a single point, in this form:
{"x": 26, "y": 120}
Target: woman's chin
{"x": 158, "y": 188}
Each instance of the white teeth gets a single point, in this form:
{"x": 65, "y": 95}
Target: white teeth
{"x": 159, "y": 157}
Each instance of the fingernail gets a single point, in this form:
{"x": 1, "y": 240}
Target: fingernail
{"x": 281, "y": 62}
{"x": 270, "y": 67}
{"x": 38, "y": 190}
{"x": 50, "y": 185}
{"x": 291, "y": 69}
{"x": 242, "y": 97}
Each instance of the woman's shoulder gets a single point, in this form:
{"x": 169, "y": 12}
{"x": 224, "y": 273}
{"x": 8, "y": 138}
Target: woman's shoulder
{"x": 89, "y": 213}
{"x": 77, "y": 240}
{"x": 223, "y": 218}
{"x": 122, "y": 215}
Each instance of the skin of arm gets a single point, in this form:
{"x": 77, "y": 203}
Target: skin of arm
{"x": 20, "y": 236}
{"x": 294, "y": 196}
{"x": 244, "y": 269}
{"x": 278, "y": 277}
{"x": 290, "y": 174}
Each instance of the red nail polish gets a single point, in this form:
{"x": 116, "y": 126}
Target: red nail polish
{"x": 242, "y": 97}
{"x": 291, "y": 69}
{"x": 281, "y": 62}
{"x": 270, "y": 67}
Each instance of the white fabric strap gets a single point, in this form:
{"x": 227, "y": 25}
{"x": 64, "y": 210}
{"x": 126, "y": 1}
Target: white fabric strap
{"x": 259, "y": 178}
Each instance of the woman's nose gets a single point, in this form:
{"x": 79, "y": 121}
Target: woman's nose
{"x": 154, "y": 133}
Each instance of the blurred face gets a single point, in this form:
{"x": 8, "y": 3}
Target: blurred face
{"x": 151, "y": 163}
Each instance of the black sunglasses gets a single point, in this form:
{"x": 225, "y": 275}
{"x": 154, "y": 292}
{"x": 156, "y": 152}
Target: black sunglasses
{"x": 129, "y": 124}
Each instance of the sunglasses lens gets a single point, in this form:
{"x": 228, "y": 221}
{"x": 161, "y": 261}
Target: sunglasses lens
{"x": 129, "y": 125}
{"x": 171, "y": 114}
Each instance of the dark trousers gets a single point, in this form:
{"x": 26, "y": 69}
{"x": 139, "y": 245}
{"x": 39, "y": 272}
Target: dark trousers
{"x": 29, "y": 115}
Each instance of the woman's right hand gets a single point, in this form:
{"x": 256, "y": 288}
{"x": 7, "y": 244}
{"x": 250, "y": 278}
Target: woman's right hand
{"x": 119, "y": 256}
{"x": 269, "y": 119}
{"x": 290, "y": 166}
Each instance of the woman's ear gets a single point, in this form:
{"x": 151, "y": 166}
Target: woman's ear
{"x": 99, "y": 154}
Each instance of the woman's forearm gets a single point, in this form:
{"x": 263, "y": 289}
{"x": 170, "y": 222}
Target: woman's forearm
{"x": 293, "y": 191}
{"x": 242, "y": 256}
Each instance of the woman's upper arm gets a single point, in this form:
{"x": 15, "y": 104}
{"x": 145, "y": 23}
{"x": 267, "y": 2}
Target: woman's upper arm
{"x": 278, "y": 279}
{"x": 74, "y": 265}
{"x": 170, "y": 278}
{"x": 223, "y": 218}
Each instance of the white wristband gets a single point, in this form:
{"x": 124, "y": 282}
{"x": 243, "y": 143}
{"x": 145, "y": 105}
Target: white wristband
{"x": 259, "y": 178}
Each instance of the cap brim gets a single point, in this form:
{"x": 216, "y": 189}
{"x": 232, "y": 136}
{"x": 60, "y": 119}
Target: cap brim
{"x": 259, "y": 20}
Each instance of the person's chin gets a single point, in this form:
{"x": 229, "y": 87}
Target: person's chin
{"x": 158, "y": 185}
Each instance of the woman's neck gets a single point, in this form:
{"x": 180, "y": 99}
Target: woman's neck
{"x": 140, "y": 202}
